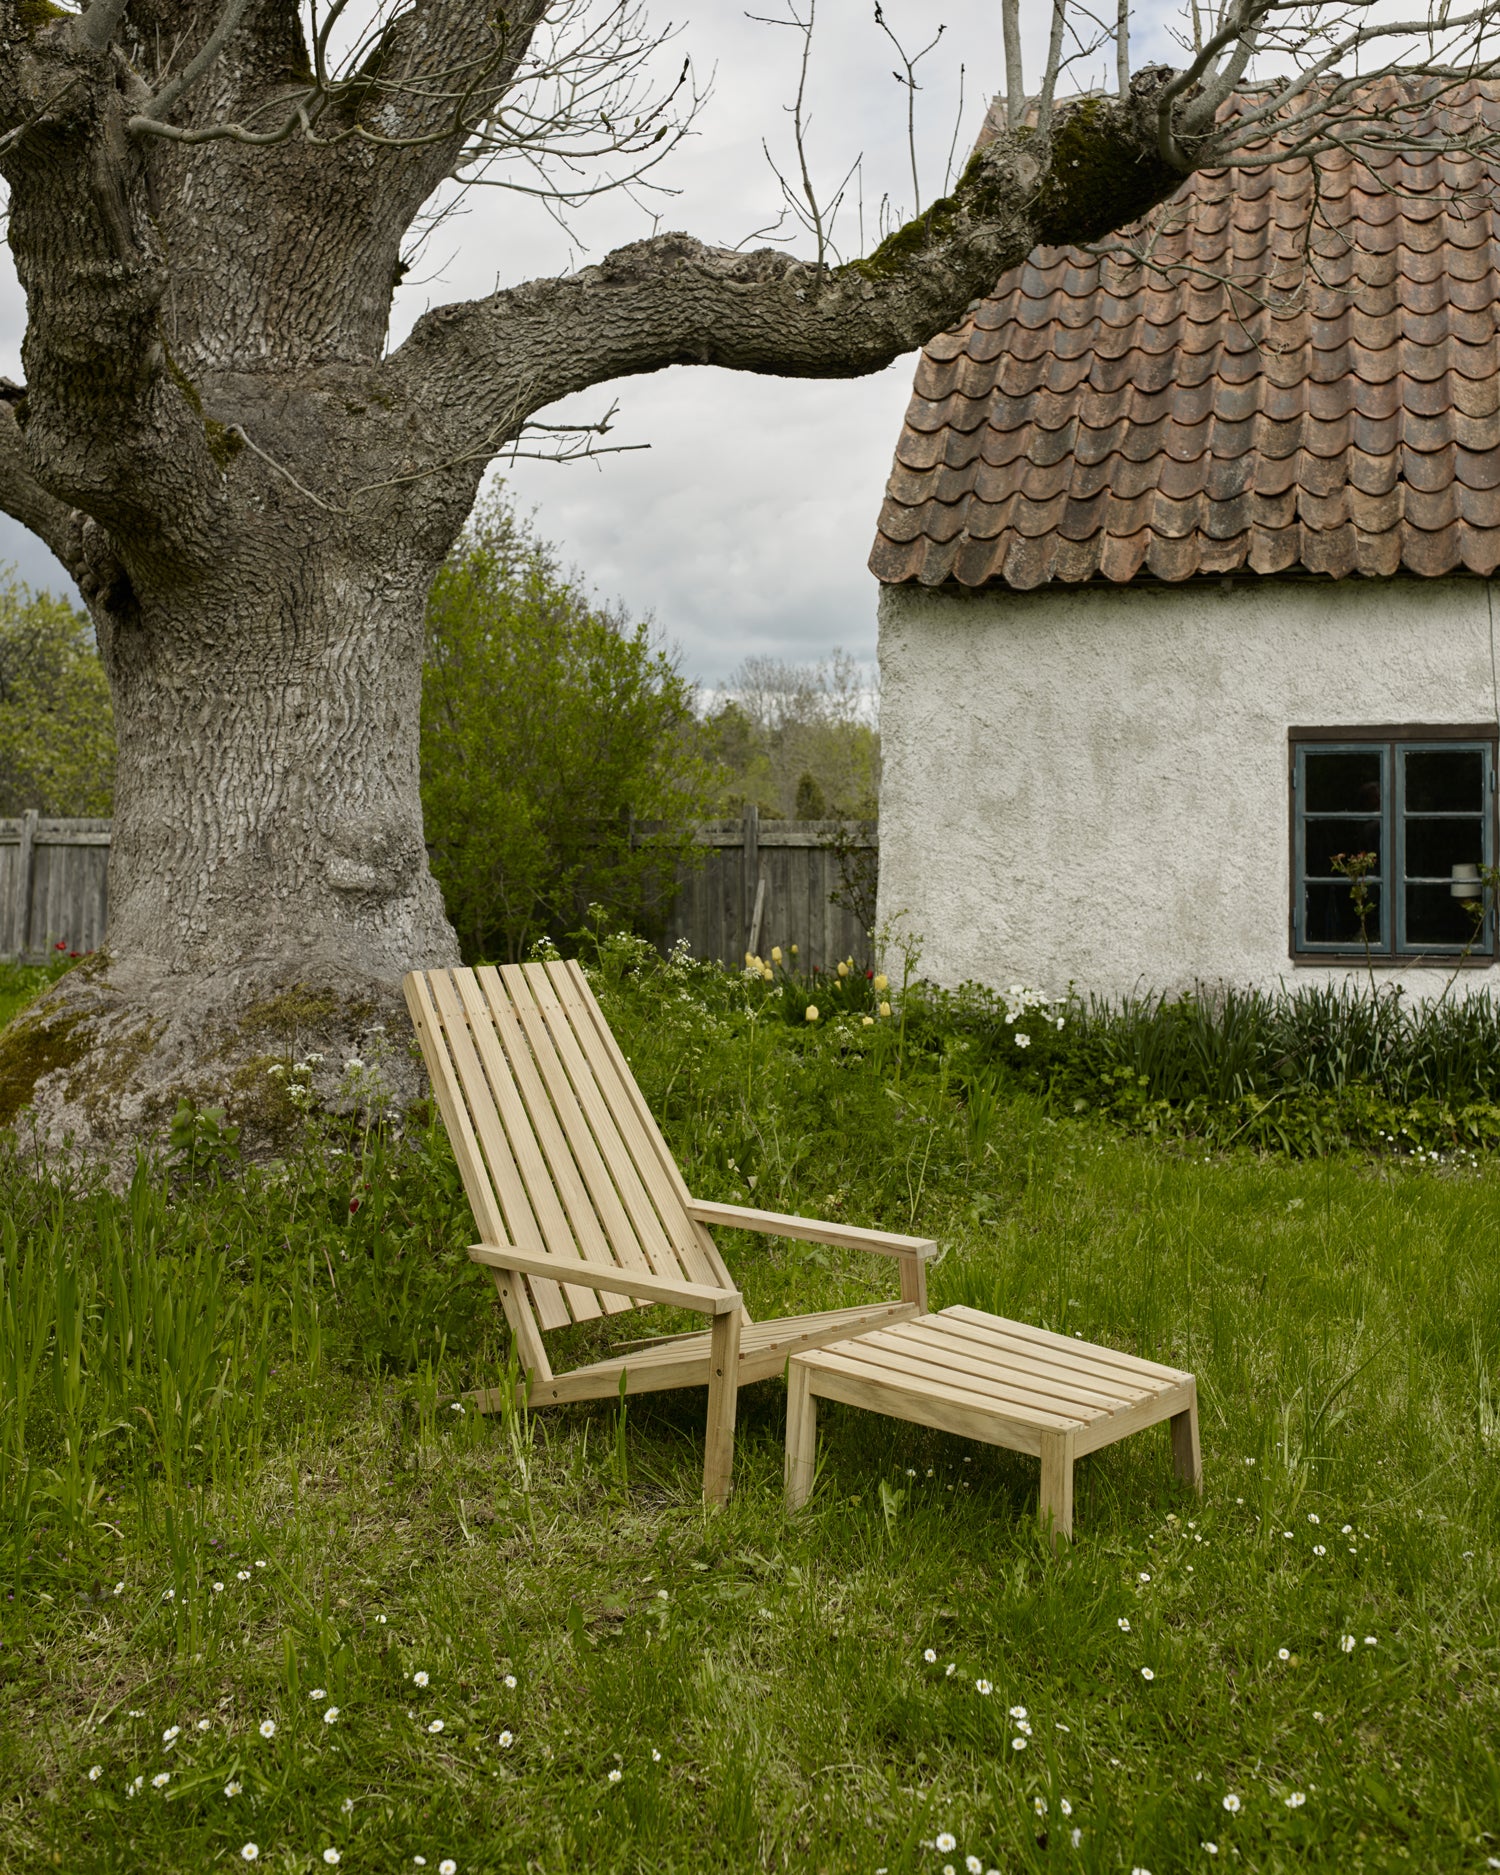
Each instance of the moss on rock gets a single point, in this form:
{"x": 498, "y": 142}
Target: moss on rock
{"x": 32, "y": 1047}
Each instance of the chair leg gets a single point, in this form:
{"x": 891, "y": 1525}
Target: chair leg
{"x": 1057, "y": 1486}
{"x": 723, "y": 1399}
{"x": 1187, "y": 1459}
{"x": 801, "y": 1435}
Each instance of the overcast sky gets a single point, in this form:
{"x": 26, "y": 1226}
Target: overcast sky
{"x": 746, "y": 524}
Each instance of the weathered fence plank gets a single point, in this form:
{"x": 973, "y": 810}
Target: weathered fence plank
{"x": 53, "y": 884}
{"x": 797, "y": 862}
{"x": 54, "y": 889}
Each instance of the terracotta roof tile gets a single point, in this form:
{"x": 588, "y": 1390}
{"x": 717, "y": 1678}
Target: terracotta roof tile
{"x": 1095, "y": 420}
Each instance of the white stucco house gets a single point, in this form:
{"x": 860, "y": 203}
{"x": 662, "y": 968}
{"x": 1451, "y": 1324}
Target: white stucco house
{"x": 1186, "y": 590}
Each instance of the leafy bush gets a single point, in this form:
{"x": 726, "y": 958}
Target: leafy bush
{"x": 57, "y": 745}
{"x": 1303, "y": 1071}
{"x": 551, "y": 728}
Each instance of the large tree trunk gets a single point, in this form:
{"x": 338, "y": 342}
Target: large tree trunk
{"x": 268, "y": 878}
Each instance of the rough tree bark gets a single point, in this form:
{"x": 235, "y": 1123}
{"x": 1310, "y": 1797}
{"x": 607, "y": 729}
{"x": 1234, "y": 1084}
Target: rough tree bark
{"x": 255, "y": 498}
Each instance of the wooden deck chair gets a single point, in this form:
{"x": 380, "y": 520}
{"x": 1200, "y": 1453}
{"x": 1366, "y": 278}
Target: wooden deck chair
{"x": 581, "y": 1208}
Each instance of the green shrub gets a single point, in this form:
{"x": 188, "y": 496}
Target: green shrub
{"x": 551, "y": 727}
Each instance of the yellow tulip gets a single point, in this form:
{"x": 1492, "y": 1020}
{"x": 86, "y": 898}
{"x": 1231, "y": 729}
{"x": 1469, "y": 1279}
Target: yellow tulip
{"x": 885, "y": 1009}
{"x": 775, "y": 953}
{"x": 843, "y": 970}
{"x": 868, "y": 1022}
{"x": 812, "y": 1012}
{"x": 882, "y": 982}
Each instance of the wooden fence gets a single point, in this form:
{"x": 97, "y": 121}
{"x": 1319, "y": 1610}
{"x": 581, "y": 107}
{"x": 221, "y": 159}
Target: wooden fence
{"x": 765, "y": 882}
{"x": 53, "y": 887}
{"x": 761, "y": 883}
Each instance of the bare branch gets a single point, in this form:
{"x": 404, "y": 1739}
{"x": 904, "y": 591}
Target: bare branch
{"x": 1122, "y": 50}
{"x": 1046, "y": 103}
{"x": 206, "y": 57}
{"x": 1015, "y": 77}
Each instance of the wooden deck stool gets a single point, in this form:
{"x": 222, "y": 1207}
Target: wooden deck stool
{"x": 1001, "y": 1381}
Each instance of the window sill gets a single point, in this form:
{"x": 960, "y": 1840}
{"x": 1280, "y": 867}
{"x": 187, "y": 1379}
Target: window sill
{"x": 1349, "y": 960}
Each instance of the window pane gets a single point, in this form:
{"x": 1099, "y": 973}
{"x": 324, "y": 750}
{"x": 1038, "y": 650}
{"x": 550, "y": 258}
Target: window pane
{"x": 1435, "y": 916}
{"x": 1326, "y": 839}
{"x": 1343, "y": 781}
{"x": 1329, "y": 917}
{"x": 1434, "y": 847}
{"x": 1444, "y": 781}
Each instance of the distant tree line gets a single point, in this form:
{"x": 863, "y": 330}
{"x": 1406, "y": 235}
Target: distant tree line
{"x": 799, "y": 741}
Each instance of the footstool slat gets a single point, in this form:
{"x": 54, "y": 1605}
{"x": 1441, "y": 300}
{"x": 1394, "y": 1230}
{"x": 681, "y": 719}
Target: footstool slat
{"x": 1069, "y": 1357}
{"x": 945, "y": 1411}
{"x": 1048, "y": 1337}
{"x": 876, "y": 1367}
{"x": 1026, "y": 1398}
{"x": 1043, "y": 1375}
{"x": 1003, "y": 1382}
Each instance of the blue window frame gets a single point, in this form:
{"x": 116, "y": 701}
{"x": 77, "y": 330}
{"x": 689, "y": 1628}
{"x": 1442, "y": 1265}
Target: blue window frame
{"x": 1408, "y": 809}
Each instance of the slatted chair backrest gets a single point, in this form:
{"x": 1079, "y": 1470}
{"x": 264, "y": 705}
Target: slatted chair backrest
{"x": 556, "y": 1146}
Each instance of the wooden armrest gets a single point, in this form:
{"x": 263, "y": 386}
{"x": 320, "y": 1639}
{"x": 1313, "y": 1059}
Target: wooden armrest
{"x": 776, "y": 1224}
{"x": 638, "y": 1283}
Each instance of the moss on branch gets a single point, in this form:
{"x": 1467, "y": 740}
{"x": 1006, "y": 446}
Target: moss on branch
{"x": 1099, "y": 174}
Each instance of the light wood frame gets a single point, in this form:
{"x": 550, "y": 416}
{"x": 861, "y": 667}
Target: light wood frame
{"x": 582, "y": 1210}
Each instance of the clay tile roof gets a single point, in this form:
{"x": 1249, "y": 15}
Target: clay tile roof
{"x": 1092, "y": 419}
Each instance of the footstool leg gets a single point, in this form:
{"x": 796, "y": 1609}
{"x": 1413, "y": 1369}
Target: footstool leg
{"x": 1187, "y": 1459}
{"x": 801, "y": 1435}
{"x": 1057, "y": 1486}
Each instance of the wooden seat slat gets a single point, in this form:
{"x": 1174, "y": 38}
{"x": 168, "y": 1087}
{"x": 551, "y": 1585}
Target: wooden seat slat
{"x": 520, "y": 1223}
{"x": 610, "y": 1129}
{"x": 539, "y": 1185}
{"x": 886, "y": 1359}
{"x": 477, "y": 1188}
{"x": 580, "y": 1231}
{"x": 1078, "y": 1389}
{"x": 684, "y": 1361}
{"x": 641, "y": 1137}
{"x": 624, "y": 1248}
{"x": 1047, "y": 1337}
{"x": 1074, "y": 1368}
{"x": 635, "y": 1100}
{"x": 886, "y": 1368}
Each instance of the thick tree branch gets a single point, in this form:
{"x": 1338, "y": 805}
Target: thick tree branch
{"x": 670, "y": 300}
{"x": 21, "y": 497}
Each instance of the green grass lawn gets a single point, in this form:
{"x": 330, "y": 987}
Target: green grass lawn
{"x": 263, "y": 1586}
